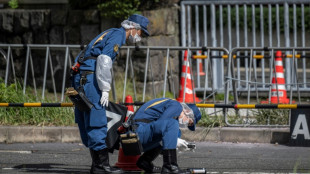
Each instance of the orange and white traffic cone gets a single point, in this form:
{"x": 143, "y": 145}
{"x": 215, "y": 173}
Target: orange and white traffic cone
{"x": 127, "y": 163}
{"x": 278, "y": 83}
{"x": 200, "y": 64}
{"x": 186, "y": 76}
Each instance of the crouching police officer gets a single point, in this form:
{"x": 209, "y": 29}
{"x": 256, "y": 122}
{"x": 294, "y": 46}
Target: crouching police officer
{"x": 93, "y": 72}
{"x": 158, "y": 121}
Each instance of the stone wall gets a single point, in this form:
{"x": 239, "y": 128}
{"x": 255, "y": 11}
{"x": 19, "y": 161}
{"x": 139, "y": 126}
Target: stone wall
{"x": 63, "y": 26}
{"x": 48, "y": 26}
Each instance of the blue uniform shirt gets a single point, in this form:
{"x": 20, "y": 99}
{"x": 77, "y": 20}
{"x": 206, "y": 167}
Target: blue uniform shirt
{"x": 107, "y": 43}
{"x": 161, "y": 108}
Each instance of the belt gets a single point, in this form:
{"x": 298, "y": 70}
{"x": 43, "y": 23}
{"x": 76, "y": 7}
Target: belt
{"x": 83, "y": 78}
{"x": 143, "y": 120}
{"x": 90, "y": 57}
{"x": 84, "y": 73}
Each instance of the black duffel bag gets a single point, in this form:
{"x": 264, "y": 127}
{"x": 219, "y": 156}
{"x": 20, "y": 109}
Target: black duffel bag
{"x": 79, "y": 98}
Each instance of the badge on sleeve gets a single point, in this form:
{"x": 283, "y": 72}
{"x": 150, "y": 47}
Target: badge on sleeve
{"x": 115, "y": 47}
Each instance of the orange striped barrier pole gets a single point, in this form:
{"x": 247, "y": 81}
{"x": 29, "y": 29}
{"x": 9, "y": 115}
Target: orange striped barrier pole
{"x": 36, "y": 105}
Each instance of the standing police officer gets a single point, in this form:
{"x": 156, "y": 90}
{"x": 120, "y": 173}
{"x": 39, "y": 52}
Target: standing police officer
{"x": 96, "y": 67}
{"x": 158, "y": 121}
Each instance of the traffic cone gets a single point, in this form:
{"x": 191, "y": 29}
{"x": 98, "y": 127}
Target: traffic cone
{"x": 189, "y": 95}
{"x": 127, "y": 163}
{"x": 280, "y": 82}
{"x": 201, "y": 73}
{"x": 130, "y": 108}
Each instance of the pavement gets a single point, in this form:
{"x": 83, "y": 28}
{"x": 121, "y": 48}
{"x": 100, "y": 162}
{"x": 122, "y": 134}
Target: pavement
{"x": 32, "y": 134}
{"x": 216, "y": 158}
{"x": 221, "y": 150}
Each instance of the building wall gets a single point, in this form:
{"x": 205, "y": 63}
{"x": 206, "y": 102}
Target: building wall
{"x": 64, "y": 26}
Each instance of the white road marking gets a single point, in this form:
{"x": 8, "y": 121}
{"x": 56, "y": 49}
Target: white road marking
{"x": 16, "y": 151}
{"x": 36, "y": 169}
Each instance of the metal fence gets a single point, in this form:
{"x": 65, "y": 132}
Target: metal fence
{"x": 40, "y": 77}
{"x": 237, "y": 23}
{"x": 247, "y": 81}
{"x": 235, "y": 80}
{"x": 32, "y": 66}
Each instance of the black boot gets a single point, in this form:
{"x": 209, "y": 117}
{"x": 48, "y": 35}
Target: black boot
{"x": 145, "y": 161}
{"x": 100, "y": 162}
{"x": 170, "y": 162}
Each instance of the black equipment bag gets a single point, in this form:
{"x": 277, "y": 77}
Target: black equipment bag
{"x": 131, "y": 144}
{"x": 130, "y": 140}
{"x": 79, "y": 98}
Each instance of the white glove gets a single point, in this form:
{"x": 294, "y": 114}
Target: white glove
{"x": 182, "y": 145}
{"x": 104, "y": 99}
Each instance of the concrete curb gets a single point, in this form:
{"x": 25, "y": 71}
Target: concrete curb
{"x": 237, "y": 134}
{"x": 28, "y": 134}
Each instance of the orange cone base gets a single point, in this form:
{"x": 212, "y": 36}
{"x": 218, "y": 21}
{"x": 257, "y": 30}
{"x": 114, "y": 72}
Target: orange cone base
{"x": 127, "y": 163}
{"x": 281, "y": 100}
{"x": 275, "y": 101}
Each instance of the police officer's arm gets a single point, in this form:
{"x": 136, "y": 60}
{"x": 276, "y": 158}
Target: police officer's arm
{"x": 103, "y": 72}
{"x": 108, "y": 50}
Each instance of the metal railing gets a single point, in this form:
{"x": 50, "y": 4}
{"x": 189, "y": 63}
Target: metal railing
{"x": 167, "y": 74}
{"x": 237, "y": 23}
{"x": 243, "y": 81}
{"x": 37, "y": 75}
{"x": 247, "y": 81}
{"x": 29, "y": 61}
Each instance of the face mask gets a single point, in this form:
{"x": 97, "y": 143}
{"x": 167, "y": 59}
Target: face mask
{"x": 183, "y": 123}
{"x": 188, "y": 111}
{"x": 134, "y": 39}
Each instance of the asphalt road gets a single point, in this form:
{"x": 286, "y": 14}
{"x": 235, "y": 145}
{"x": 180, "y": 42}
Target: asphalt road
{"x": 55, "y": 158}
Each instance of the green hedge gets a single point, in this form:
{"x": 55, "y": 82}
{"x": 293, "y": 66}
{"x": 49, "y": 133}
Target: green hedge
{"x": 36, "y": 116}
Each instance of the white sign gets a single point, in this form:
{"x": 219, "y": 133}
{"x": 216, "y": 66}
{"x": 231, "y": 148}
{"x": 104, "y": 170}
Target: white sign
{"x": 114, "y": 118}
{"x": 301, "y": 127}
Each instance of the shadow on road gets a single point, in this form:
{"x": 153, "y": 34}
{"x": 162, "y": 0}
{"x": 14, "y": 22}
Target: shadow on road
{"x": 49, "y": 168}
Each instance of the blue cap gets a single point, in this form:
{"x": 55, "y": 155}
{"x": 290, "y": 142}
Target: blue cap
{"x": 197, "y": 115}
{"x": 142, "y": 21}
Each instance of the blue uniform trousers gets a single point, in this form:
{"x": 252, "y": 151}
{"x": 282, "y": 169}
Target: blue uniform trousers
{"x": 165, "y": 130}
{"x": 92, "y": 137}
{"x": 92, "y": 124}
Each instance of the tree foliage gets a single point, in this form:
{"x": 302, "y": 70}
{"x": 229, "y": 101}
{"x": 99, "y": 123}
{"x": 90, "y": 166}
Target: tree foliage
{"x": 13, "y": 4}
{"x": 119, "y": 8}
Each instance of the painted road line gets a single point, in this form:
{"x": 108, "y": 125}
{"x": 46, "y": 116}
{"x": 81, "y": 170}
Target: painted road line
{"x": 16, "y": 151}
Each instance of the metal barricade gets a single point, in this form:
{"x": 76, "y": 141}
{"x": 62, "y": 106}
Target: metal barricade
{"x": 245, "y": 79}
{"x": 206, "y": 81}
{"x": 238, "y": 23}
{"x": 207, "y": 85}
{"x": 25, "y": 57}
{"x": 30, "y": 60}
